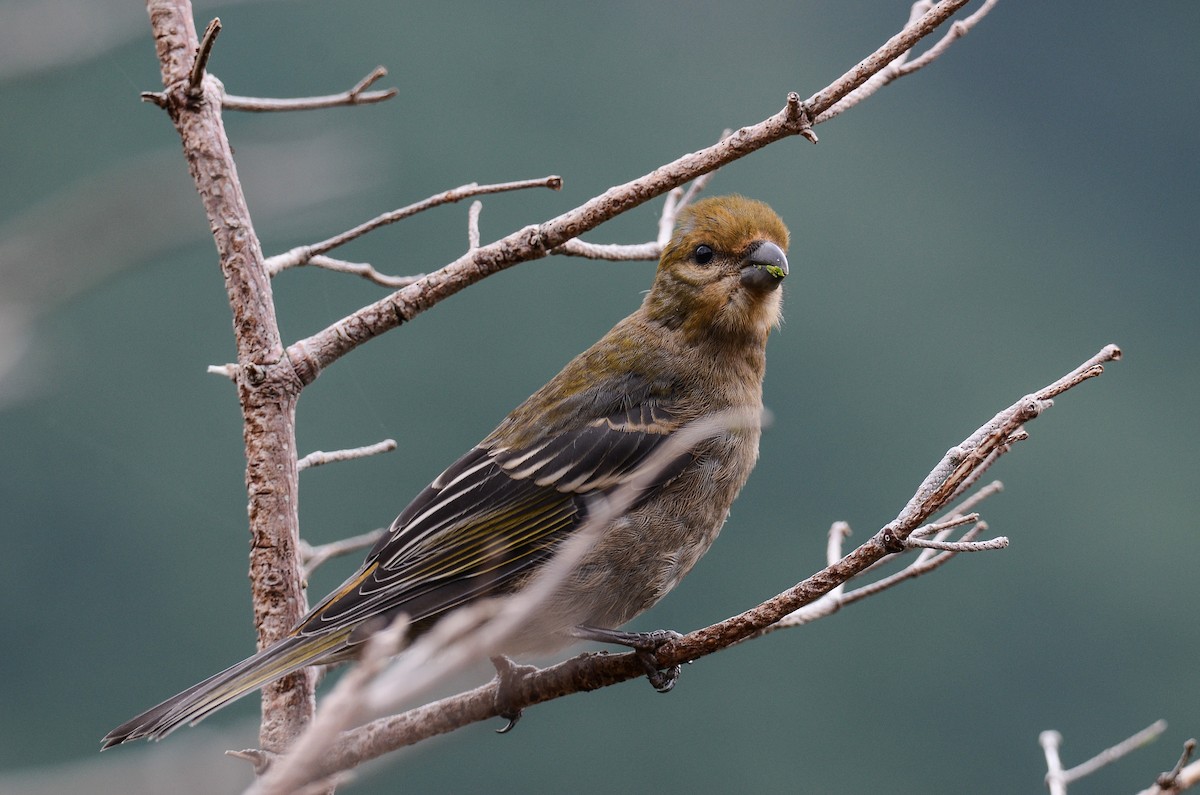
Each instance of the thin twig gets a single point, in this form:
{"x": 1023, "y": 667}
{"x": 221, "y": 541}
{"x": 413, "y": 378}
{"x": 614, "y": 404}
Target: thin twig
{"x": 958, "y": 29}
{"x": 676, "y": 199}
{"x": 196, "y": 75}
{"x": 363, "y": 269}
{"x": 999, "y": 542}
{"x": 947, "y": 524}
{"x": 831, "y": 602}
{"x": 227, "y": 370}
{"x": 1050, "y": 741}
{"x": 969, "y": 503}
{"x": 613, "y": 252}
{"x": 920, "y": 566}
{"x": 930, "y": 498}
{"x": 693, "y": 190}
{"x": 966, "y": 505}
{"x": 1171, "y": 777}
{"x": 1110, "y": 755}
{"x": 302, "y": 254}
{"x": 314, "y": 556}
{"x": 1179, "y": 778}
{"x": 902, "y": 66}
{"x": 358, "y": 95}
{"x": 320, "y": 458}
{"x": 1057, "y": 778}
{"x": 839, "y": 597}
{"x": 473, "y": 224}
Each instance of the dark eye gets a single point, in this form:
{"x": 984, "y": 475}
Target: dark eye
{"x": 703, "y": 255}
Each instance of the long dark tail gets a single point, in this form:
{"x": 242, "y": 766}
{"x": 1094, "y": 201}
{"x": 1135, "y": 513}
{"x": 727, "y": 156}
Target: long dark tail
{"x": 285, "y": 657}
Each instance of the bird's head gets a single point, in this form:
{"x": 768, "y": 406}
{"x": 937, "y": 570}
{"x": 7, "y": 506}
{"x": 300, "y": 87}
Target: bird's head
{"x": 719, "y": 275}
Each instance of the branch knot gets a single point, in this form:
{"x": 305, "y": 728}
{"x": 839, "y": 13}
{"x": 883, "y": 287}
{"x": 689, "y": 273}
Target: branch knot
{"x": 798, "y": 116}
{"x": 890, "y": 541}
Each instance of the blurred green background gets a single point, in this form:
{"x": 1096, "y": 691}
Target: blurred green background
{"x": 965, "y": 237}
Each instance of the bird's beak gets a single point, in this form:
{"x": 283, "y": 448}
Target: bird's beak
{"x": 765, "y": 266}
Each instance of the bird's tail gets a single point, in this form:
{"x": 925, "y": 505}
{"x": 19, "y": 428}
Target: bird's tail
{"x": 287, "y": 656}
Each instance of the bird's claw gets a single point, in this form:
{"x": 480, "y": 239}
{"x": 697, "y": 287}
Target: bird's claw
{"x": 645, "y": 645}
{"x": 508, "y": 675}
{"x": 661, "y": 679}
{"x": 512, "y": 718}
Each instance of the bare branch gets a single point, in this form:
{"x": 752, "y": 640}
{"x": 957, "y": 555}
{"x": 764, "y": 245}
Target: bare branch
{"x": 318, "y": 351}
{"x": 901, "y": 66}
{"x": 922, "y": 565}
{"x": 229, "y": 371}
{"x": 675, "y": 201}
{"x": 315, "y": 556}
{"x": 1000, "y": 542}
{"x": 958, "y": 29}
{"x": 319, "y": 458}
{"x": 968, "y": 504}
{"x": 931, "y": 497}
{"x": 1050, "y": 742}
{"x": 362, "y": 269}
{"x": 341, "y": 709}
{"x": 1123, "y": 748}
{"x": 933, "y": 528}
{"x": 473, "y": 225}
{"x": 266, "y": 383}
{"x": 1057, "y": 779}
{"x": 698, "y": 184}
{"x": 614, "y": 252}
{"x": 838, "y": 532}
{"x": 358, "y": 95}
{"x": 196, "y": 75}
{"x": 302, "y": 254}
{"x": 1179, "y": 778}
{"x": 927, "y": 561}
{"x": 918, "y": 540}
{"x": 1189, "y": 748}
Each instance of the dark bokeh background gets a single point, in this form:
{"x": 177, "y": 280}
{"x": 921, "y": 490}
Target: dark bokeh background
{"x": 963, "y": 238}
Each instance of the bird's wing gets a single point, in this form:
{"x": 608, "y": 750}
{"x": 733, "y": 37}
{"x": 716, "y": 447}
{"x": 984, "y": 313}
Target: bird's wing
{"x": 491, "y": 516}
{"x": 597, "y": 456}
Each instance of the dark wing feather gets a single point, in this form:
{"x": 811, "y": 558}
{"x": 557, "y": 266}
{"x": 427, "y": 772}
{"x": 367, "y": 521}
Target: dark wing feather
{"x": 491, "y": 516}
{"x": 465, "y": 536}
{"x": 598, "y": 456}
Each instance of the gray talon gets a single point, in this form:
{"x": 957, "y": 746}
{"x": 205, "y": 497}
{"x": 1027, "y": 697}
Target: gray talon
{"x": 645, "y": 645}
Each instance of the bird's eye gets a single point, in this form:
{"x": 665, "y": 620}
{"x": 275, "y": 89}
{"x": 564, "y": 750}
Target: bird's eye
{"x": 703, "y": 255}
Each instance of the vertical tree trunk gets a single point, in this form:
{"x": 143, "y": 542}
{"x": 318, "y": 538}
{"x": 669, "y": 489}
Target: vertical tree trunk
{"x": 267, "y": 385}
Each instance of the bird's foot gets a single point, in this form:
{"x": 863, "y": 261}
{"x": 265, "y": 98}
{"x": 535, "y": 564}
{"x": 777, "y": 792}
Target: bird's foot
{"x": 645, "y": 645}
{"x": 508, "y": 678}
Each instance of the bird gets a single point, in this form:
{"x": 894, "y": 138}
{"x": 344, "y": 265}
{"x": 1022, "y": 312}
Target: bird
{"x": 694, "y": 348}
